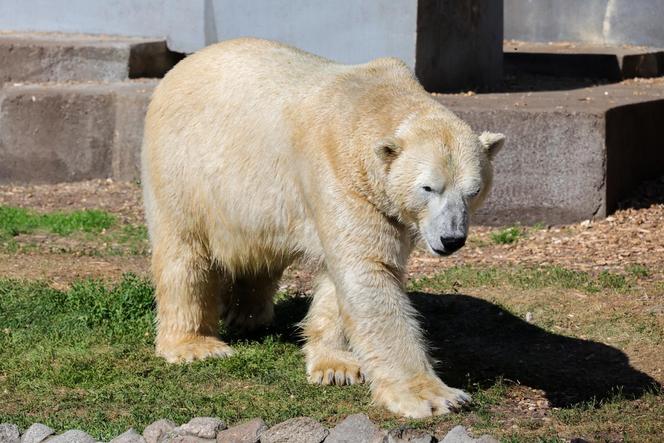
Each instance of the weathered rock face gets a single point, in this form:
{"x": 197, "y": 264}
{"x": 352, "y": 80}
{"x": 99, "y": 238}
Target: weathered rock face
{"x": 411, "y": 435}
{"x": 9, "y": 433}
{"x": 36, "y": 433}
{"x": 295, "y": 430}
{"x": 355, "y": 429}
{"x": 203, "y": 427}
{"x": 73, "y": 436}
{"x": 131, "y": 436}
{"x": 155, "y": 431}
{"x": 248, "y": 432}
{"x": 459, "y": 434}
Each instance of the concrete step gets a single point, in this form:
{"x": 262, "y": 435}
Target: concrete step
{"x": 582, "y": 60}
{"x": 570, "y": 155}
{"x": 62, "y": 132}
{"x": 55, "y": 57}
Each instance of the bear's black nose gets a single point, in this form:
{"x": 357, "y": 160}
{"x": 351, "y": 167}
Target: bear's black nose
{"x": 453, "y": 243}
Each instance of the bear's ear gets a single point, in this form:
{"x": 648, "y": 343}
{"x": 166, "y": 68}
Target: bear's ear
{"x": 387, "y": 150}
{"x": 492, "y": 143}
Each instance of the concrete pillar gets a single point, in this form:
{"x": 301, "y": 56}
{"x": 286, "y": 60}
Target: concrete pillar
{"x": 453, "y": 45}
{"x": 459, "y": 44}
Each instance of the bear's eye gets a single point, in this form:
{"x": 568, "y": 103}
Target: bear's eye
{"x": 427, "y": 188}
{"x": 475, "y": 193}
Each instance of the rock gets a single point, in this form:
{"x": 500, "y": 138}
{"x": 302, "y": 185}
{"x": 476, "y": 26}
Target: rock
{"x": 203, "y": 427}
{"x": 295, "y": 430}
{"x": 73, "y": 436}
{"x": 410, "y": 435}
{"x": 458, "y": 434}
{"x": 131, "y": 436}
{"x": 37, "y": 433}
{"x": 154, "y": 432}
{"x": 356, "y": 428}
{"x": 248, "y": 432}
{"x": 174, "y": 437}
{"x": 9, "y": 433}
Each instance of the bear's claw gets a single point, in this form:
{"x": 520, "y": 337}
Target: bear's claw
{"x": 333, "y": 371}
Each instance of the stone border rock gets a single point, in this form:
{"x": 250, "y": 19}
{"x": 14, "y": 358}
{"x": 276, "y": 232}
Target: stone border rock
{"x": 357, "y": 428}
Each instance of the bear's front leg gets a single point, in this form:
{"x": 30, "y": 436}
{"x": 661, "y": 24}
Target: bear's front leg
{"x": 328, "y": 358}
{"x": 381, "y": 326}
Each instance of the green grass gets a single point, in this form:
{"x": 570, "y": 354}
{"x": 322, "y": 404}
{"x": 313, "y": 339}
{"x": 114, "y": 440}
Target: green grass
{"x": 89, "y": 232}
{"x": 508, "y": 235}
{"x": 638, "y": 270}
{"x": 457, "y": 277}
{"x": 15, "y": 221}
{"x": 84, "y": 358}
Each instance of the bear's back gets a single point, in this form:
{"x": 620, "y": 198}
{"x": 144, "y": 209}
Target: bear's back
{"x": 250, "y": 68}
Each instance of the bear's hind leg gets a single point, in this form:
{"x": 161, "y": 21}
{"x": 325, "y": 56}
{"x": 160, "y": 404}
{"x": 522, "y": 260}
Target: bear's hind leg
{"x": 326, "y": 350}
{"x": 250, "y": 304}
{"x": 187, "y": 291}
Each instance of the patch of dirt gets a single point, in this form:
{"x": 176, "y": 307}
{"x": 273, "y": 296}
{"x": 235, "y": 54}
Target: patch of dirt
{"x": 121, "y": 198}
{"x": 60, "y": 270}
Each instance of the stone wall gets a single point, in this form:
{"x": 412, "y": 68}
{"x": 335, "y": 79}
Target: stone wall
{"x": 453, "y": 45}
{"x": 635, "y": 22}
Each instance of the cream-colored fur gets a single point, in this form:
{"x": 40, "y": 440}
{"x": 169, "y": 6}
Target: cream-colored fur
{"x": 257, "y": 154}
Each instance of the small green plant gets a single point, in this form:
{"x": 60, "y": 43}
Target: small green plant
{"x": 638, "y": 270}
{"x": 507, "y": 236}
{"x": 538, "y": 226}
{"x": 609, "y": 280}
{"x": 15, "y": 221}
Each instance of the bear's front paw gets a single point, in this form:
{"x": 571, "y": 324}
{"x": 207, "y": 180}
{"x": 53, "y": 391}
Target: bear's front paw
{"x": 192, "y": 348}
{"x": 335, "y": 368}
{"x": 422, "y": 396}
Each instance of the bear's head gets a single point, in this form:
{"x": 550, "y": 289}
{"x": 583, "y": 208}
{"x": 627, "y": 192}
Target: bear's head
{"x": 437, "y": 171}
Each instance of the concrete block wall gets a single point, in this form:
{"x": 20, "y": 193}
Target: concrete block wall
{"x": 633, "y": 22}
{"x": 452, "y": 44}
{"x": 64, "y": 132}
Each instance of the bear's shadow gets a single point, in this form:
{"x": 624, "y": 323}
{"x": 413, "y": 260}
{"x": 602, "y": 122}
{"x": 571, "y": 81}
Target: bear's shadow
{"x": 478, "y": 342}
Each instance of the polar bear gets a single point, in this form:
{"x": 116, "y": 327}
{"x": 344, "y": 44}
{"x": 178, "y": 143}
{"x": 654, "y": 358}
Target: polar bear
{"x": 257, "y": 154}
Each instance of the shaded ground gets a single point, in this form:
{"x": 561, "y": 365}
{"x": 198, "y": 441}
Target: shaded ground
{"x": 558, "y": 333}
